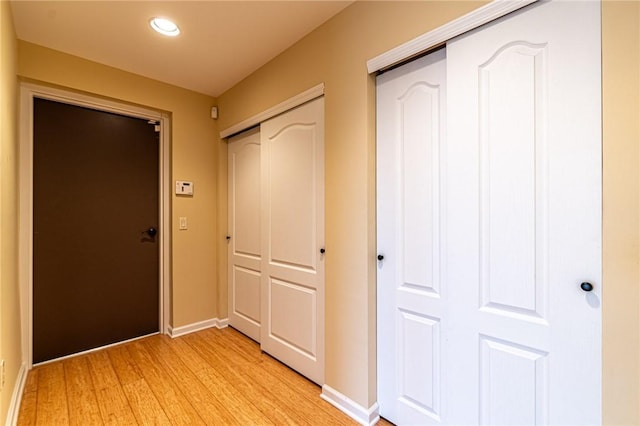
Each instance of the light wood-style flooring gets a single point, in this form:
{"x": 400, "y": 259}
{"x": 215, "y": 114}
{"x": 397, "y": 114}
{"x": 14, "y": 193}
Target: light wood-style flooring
{"x": 212, "y": 377}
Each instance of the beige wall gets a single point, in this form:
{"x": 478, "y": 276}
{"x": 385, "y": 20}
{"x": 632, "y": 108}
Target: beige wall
{"x": 10, "y": 349}
{"x": 336, "y": 54}
{"x": 193, "y": 157}
{"x": 621, "y": 211}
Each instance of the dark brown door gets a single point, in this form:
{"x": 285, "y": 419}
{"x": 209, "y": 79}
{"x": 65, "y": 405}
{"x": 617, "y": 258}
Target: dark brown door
{"x": 95, "y": 198}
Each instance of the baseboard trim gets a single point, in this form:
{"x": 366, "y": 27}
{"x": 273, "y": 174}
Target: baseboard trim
{"x": 16, "y": 398}
{"x": 351, "y": 408}
{"x": 197, "y": 326}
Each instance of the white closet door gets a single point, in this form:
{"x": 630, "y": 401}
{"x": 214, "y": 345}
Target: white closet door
{"x": 293, "y": 237}
{"x": 488, "y": 234}
{"x": 244, "y": 230}
{"x": 524, "y": 219}
{"x": 411, "y": 298}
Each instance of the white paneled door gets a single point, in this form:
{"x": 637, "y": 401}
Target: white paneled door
{"x": 292, "y": 229}
{"x": 504, "y": 283}
{"x": 244, "y": 233}
{"x": 411, "y": 124}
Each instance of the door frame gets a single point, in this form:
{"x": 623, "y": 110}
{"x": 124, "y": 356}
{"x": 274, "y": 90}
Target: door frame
{"x": 29, "y": 91}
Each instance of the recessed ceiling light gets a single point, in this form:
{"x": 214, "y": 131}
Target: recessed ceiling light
{"x": 164, "y": 26}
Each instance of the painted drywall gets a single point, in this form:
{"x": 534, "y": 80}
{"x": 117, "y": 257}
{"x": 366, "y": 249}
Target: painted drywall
{"x": 193, "y": 158}
{"x": 10, "y": 347}
{"x": 336, "y": 54}
{"x": 621, "y": 210}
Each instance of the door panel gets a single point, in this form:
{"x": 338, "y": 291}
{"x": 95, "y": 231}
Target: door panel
{"x": 411, "y": 298}
{"x": 244, "y": 227}
{"x": 96, "y": 275}
{"x": 292, "y": 236}
{"x": 524, "y": 218}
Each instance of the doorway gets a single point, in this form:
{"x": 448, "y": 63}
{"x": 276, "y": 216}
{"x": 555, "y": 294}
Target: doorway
{"x": 73, "y": 237}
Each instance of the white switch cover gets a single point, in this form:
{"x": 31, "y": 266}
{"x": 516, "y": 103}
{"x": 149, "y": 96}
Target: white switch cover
{"x": 184, "y": 187}
{"x": 183, "y": 222}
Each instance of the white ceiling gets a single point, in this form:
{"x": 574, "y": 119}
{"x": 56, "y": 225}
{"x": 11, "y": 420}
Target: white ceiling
{"x": 221, "y": 43}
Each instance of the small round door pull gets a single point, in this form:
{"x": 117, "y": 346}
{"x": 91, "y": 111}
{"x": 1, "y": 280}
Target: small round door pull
{"x": 322, "y": 250}
{"x": 380, "y": 257}
{"x": 151, "y": 232}
{"x": 586, "y": 286}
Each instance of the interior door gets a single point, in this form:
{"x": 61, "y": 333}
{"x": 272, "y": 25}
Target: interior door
{"x": 411, "y": 108}
{"x": 524, "y": 219}
{"x": 502, "y": 326}
{"x": 293, "y": 237}
{"x": 95, "y": 220}
{"x": 244, "y": 232}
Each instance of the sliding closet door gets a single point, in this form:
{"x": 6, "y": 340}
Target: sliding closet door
{"x": 490, "y": 279}
{"x": 412, "y": 302}
{"x": 524, "y": 206}
{"x": 244, "y": 233}
{"x": 293, "y": 238}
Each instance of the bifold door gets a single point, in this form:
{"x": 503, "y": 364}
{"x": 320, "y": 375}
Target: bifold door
{"x": 490, "y": 289}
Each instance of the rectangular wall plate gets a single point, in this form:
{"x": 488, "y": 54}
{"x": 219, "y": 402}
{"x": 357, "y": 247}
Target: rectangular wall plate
{"x": 184, "y": 187}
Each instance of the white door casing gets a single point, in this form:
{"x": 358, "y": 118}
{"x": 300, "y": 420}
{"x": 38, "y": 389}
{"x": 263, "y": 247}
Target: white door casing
{"x": 244, "y": 231}
{"x": 411, "y": 124}
{"x": 292, "y": 230}
{"x": 516, "y": 338}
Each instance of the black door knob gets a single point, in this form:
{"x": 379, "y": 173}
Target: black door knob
{"x": 380, "y": 257}
{"x": 586, "y": 286}
{"x": 152, "y": 232}
{"x": 322, "y": 251}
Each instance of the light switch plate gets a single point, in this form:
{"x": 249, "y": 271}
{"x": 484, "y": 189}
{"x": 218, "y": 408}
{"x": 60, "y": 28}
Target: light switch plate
{"x": 184, "y": 187}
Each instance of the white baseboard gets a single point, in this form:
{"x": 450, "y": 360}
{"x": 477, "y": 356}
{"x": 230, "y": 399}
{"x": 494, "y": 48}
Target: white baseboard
{"x": 197, "y": 326}
{"x": 16, "y": 398}
{"x": 351, "y": 408}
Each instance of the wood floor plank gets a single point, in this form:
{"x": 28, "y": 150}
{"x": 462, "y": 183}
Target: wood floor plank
{"x": 31, "y": 384}
{"x": 82, "y": 400}
{"x": 114, "y": 407}
{"x": 28, "y": 407}
{"x": 52, "y": 406}
{"x": 235, "y": 378}
{"x": 102, "y": 372}
{"x": 113, "y": 404}
{"x": 257, "y": 371}
{"x": 214, "y": 409}
{"x": 176, "y": 406}
{"x": 218, "y": 384}
{"x": 125, "y": 367}
{"x": 144, "y": 404}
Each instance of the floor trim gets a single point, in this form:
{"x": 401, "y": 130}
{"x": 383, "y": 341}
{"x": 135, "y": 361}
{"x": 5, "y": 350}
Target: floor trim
{"x": 351, "y": 408}
{"x": 16, "y": 397}
{"x": 197, "y": 326}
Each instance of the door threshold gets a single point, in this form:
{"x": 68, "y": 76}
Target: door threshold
{"x": 88, "y": 351}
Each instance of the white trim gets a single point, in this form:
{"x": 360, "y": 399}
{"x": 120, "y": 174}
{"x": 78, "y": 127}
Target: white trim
{"x": 16, "y": 397}
{"x": 27, "y": 92}
{"x": 472, "y": 20}
{"x": 297, "y": 100}
{"x": 198, "y": 326}
{"x": 351, "y": 408}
